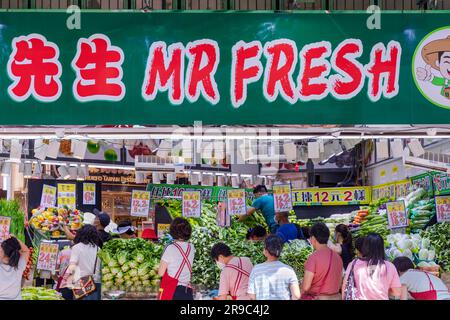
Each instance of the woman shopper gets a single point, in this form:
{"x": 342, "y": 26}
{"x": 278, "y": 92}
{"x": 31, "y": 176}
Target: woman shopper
{"x": 176, "y": 263}
{"x": 375, "y": 278}
{"x": 84, "y": 261}
{"x": 323, "y": 269}
{"x": 418, "y": 284}
{"x": 234, "y": 275}
{"x": 273, "y": 280}
{"x": 343, "y": 244}
{"x": 13, "y": 261}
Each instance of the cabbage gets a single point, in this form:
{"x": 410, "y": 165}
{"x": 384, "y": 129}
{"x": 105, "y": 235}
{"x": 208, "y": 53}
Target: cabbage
{"x": 125, "y": 267}
{"x": 113, "y": 263}
{"x": 133, "y": 273}
{"x": 138, "y": 283}
{"x": 115, "y": 270}
{"x": 144, "y": 277}
{"x": 128, "y": 283}
{"x": 122, "y": 257}
{"x": 119, "y": 281}
{"x": 134, "y": 279}
{"x": 119, "y": 274}
{"x": 108, "y": 277}
{"x": 108, "y": 284}
{"x": 132, "y": 264}
{"x": 431, "y": 254}
{"x": 408, "y": 253}
{"x": 105, "y": 270}
{"x": 127, "y": 277}
{"x": 146, "y": 283}
{"x": 144, "y": 268}
{"x": 425, "y": 243}
{"x": 140, "y": 257}
{"x": 423, "y": 254}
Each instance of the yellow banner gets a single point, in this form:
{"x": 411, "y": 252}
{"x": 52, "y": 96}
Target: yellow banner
{"x": 67, "y": 195}
{"x": 402, "y": 188}
{"x": 383, "y": 190}
{"x": 331, "y": 196}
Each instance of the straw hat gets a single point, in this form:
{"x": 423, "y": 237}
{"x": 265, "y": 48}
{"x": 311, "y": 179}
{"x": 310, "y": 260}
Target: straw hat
{"x": 430, "y": 52}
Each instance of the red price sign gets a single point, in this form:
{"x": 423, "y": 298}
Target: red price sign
{"x": 442, "y": 208}
{"x": 48, "y": 197}
{"x": 236, "y": 202}
{"x": 48, "y": 256}
{"x": 140, "y": 203}
{"x": 192, "y": 206}
{"x": 282, "y": 197}
{"x": 89, "y": 193}
{"x": 5, "y": 223}
{"x": 397, "y": 216}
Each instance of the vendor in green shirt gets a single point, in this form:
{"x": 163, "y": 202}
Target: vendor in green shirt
{"x": 437, "y": 56}
{"x": 263, "y": 202}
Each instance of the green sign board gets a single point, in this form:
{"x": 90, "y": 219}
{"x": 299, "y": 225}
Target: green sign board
{"x": 160, "y": 191}
{"x": 223, "y": 68}
{"x": 441, "y": 184}
{"x": 424, "y": 181}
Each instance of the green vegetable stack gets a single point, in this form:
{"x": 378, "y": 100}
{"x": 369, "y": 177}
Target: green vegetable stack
{"x": 40, "y": 293}
{"x": 439, "y": 236}
{"x": 295, "y": 254}
{"x": 11, "y": 209}
{"x": 130, "y": 265}
{"x": 420, "y": 214}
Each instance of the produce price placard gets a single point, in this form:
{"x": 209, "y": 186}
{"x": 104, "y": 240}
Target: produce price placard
{"x": 442, "y": 208}
{"x": 48, "y": 197}
{"x": 386, "y": 190}
{"x": 48, "y": 256}
{"x": 424, "y": 181}
{"x": 397, "y": 216}
{"x": 402, "y": 188}
{"x": 67, "y": 195}
{"x": 140, "y": 203}
{"x": 236, "y": 202}
{"x": 89, "y": 193}
{"x": 5, "y": 223}
{"x": 441, "y": 183}
{"x": 282, "y": 197}
{"x": 163, "y": 228}
{"x": 331, "y": 196}
{"x": 192, "y": 206}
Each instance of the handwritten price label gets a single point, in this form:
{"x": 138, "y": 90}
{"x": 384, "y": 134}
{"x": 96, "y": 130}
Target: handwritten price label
{"x": 192, "y": 206}
{"x": 140, "y": 203}
{"x": 397, "y": 216}
{"x": 89, "y": 193}
{"x": 162, "y": 229}
{"x": 48, "y": 197}
{"x": 442, "y": 208}
{"x": 48, "y": 256}
{"x": 236, "y": 202}
{"x": 282, "y": 198}
{"x": 5, "y": 223}
{"x": 67, "y": 195}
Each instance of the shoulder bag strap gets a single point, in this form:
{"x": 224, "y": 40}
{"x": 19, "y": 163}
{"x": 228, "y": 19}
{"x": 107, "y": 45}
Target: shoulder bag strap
{"x": 95, "y": 263}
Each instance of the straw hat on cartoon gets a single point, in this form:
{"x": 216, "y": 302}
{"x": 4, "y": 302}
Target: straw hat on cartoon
{"x": 430, "y": 52}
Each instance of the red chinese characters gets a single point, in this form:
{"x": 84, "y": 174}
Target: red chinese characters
{"x": 34, "y": 68}
{"x": 98, "y": 66}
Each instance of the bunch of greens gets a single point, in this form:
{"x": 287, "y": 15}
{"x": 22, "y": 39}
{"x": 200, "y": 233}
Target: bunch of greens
{"x": 130, "y": 264}
{"x": 438, "y": 235}
{"x": 295, "y": 253}
{"x": 11, "y": 208}
{"x": 40, "y": 293}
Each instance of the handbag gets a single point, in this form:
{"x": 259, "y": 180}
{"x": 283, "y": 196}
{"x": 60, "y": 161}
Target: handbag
{"x": 309, "y": 296}
{"x": 350, "y": 290}
{"x": 85, "y": 286}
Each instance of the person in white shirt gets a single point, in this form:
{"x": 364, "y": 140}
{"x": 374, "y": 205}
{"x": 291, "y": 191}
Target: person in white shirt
{"x": 418, "y": 284}
{"x": 273, "y": 280}
{"x": 13, "y": 262}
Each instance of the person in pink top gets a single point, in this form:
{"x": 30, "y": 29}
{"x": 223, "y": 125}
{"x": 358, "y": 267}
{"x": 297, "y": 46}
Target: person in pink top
{"x": 323, "y": 269}
{"x": 234, "y": 275}
{"x": 375, "y": 278}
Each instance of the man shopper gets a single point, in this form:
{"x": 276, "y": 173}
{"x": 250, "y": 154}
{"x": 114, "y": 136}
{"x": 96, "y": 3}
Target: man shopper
{"x": 263, "y": 202}
{"x": 286, "y": 231}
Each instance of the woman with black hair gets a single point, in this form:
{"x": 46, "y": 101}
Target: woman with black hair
{"x": 258, "y": 233}
{"x": 343, "y": 244}
{"x": 13, "y": 261}
{"x": 375, "y": 278}
{"x": 176, "y": 263}
{"x": 83, "y": 258}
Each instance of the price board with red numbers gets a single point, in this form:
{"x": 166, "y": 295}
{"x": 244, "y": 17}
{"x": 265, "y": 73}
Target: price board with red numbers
{"x": 89, "y": 193}
{"x": 192, "y": 206}
{"x": 48, "y": 197}
{"x": 331, "y": 196}
{"x": 48, "y": 256}
{"x": 442, "y": 208}
{"x": 140, "y": 203}
{"x": 67, "y": 195}
{"x": 236, "y": 202}
{"x": 397, "y": 216}
{"x": 5, "y": 223}
{"x": 282, "y": 197}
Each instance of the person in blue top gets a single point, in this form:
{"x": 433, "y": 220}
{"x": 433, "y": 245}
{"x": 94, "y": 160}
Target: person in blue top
{"x": 263, "y": 202}
{"x": 286, "y": 231}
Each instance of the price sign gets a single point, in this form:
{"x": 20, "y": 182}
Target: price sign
{"x": 397, "y": 216}
{"x": 48, "y": 256}
{"x": 5, "y": 223}
{"x": 441, "y": 184}
{"x": 236, "y": 202}
{"x": 442, "y": 208}
{"x": 331, "y": 196}
{"x": 386, "y": 190}
{"x": 192, "y": 206}
{"x": 48, "y": 197}
{"x": 282, "y": 197}
{"x": 162, "y": 229}
{"x": 67, "y": 195}
{"x": 223, "y": 218}
{"x": 402, "y": 188}
{"x": 424, "y": 181}
{"x": 89, "y": 193}
{"x": 140, "y": 203}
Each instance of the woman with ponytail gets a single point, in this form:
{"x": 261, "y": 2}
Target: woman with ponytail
{"x": 343, "y": 244}
{"x": 13, "y": 261}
